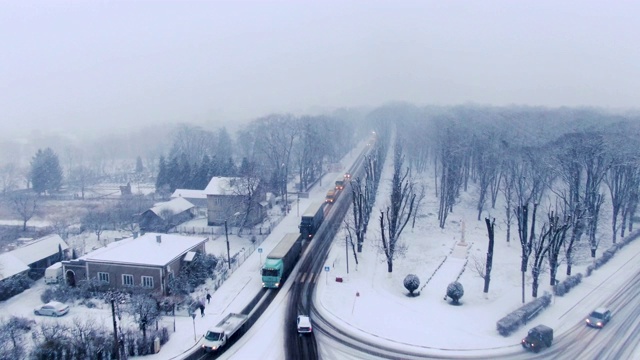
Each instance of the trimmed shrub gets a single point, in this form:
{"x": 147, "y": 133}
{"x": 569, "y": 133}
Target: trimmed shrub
{"x": 589, "y": 270}
{"x": 411, "y": 283}
{"x": 455, "y": 292}
{"x": 510, "y": 323}
{"x": 569, "y": 283}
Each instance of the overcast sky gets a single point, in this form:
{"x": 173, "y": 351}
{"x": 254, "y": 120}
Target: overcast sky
{"x": 103, "y": 65}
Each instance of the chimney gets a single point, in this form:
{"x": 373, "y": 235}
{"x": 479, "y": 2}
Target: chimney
{"x": 158, "y": 239}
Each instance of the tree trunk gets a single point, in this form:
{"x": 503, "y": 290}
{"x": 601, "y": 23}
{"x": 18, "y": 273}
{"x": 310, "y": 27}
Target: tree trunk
{"x": 489, "y": 263}
{"x": 534, "y": 287}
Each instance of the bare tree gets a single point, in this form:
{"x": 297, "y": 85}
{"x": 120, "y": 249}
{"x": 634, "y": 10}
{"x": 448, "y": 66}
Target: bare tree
{"x": 145, "y": 312}
{"x": 557, "y": 235}
{"x": 540, "y": 250}
{"x": 526, "y": 237}
{"x": 348, "y": 226}
{"x": 96, "y": 220}
{"x": 9, "y": 175}
{"x": 399, "y": 212}
{"x": 421, "y": 195}
{"x": 491, "y": 224}
{"x": 24, "y": 205}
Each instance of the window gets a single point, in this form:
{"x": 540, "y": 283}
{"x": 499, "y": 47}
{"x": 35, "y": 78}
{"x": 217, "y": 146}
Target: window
{"x": 217, "y": 200}
{"x": 103, "y": 276}
{"x": 147, "y": 281}
{"x": 127, "y": 280}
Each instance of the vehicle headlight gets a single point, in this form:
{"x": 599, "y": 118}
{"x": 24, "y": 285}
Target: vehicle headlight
{"x": 599, "y": 324}
{"x": 214, "y": 348}
{"x": 589, "y": 321}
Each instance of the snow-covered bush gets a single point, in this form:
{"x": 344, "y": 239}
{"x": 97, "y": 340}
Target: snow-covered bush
{"x": 572, "y": 281}
{"x": 522, "y": 315}
{"x": 455, "y": 292}
{"x": 411, "y": 283}
{"x": 14, "y": 286}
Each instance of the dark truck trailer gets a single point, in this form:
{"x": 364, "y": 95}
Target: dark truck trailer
{"x": 311, "y": 220}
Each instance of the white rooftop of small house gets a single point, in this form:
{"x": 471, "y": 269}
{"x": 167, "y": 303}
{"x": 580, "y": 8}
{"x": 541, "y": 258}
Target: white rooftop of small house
{"x": 225, "y": 186}
{"x": 175, "y": 206}
{"x": 10, "y": 266}
{"x": 40, "y": 249}
{"x": 189, "y": 194}
{"x": 145, "y": 249}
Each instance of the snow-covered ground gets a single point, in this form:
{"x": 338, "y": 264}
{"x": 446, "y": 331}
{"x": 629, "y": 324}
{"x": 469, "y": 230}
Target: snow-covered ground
{"x": 381, "y": 310}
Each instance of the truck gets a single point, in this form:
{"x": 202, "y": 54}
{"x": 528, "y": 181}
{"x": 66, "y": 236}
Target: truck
{"x": 53, "y": 274}
{"x": 281, "y": 260}
{"x": 538, "y": 338}
{"x": 311, "y": 220}
{"x": 218, "y": 336}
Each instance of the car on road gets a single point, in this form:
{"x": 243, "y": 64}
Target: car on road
{"x": 304, "y": 324}
{"x": 537, "y": 338}
{"x": 52, "y": 308}
{"x": 599, "y": 317}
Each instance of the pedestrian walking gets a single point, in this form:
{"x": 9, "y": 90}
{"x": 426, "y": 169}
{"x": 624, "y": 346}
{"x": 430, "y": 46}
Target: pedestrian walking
{"x": 202, "y": 309}
{"x": 208, "y": 298}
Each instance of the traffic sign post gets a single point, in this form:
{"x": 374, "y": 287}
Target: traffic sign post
{"x": 326, "y": 278}
{"x": 260, "y": 252}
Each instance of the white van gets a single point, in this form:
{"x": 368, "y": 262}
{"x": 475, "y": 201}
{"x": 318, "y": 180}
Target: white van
{"x": 53, "y": 274}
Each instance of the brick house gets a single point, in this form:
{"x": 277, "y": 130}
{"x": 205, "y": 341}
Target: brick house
{"x": 227, "y": 196}
{"x": 147, "y": 261}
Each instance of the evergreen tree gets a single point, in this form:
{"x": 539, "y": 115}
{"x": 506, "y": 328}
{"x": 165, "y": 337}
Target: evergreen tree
{"x": 186, "y": 177}
{"x": 173, "y": 174}
{"x": 201, "y": 178}
{"x": 229, "y": 168}
{"x": 139, "y": 166}
{"x": 46, "y": 173}
{"x": 245, "y": 167}
{"x": 162, "y": 174}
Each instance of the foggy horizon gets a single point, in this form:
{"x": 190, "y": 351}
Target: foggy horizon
{"x": 74, "y": 67}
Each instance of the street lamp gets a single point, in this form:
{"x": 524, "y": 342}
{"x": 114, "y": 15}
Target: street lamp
{"x": 226, "y": 234}
{"x": 193, "y": 316}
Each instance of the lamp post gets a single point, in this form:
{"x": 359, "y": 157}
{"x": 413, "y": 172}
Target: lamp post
{"x": 193, "y": 316}
{"x": 226, "y": 234}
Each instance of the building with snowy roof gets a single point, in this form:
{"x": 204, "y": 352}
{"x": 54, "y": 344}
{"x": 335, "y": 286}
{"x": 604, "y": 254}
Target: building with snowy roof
{"x": 165, "y": 215}
{"x": 147, "y": 261}
{"x": 228, "y": 196}
{"x": 42, "y": 252}
{"x": 11, "y": 266}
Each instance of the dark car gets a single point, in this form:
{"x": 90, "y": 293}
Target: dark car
{"x": 599, "y": 318}
{"x": 538, "y": 338}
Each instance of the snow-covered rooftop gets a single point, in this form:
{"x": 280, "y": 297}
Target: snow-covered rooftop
{"x": 40, "y": 249}
{"x": 225, "y": 186}
{"x": 176, "y": 206}
{"x": 10, "y": 266}
{"x": 189, "y": 194}
{"x": 145, "y": 249}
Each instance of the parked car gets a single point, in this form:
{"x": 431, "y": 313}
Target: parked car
{"x": 537, "y": 338}
{"x": 52, "y": 308}
{"x": 304, "y": 324}
{"x": 599, "y": 318}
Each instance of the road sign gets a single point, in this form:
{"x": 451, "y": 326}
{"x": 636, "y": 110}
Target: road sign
{"x": 259, "y": 250}
{"x": 326, "y": 268}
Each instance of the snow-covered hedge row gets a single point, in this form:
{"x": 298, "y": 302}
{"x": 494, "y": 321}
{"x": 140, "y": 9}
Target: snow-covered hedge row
{"x": 510, "y": 323}
{"x": 569, "y": 283}
{"x": 608, "y": 254}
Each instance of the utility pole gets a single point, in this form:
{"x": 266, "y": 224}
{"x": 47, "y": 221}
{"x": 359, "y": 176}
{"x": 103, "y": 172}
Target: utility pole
{"x": 116, "y": 348}
{"x": 226, "y": 234}
{"x": 346, "y": 249}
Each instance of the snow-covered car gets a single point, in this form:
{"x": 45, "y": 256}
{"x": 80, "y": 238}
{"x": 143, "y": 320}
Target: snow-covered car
{"x": 304, "y": 324}
{"x": 599, "y": 317}
{"x": 52, "y": 308}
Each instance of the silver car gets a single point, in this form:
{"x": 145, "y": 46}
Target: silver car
{"x": 52, "y": 308}
{"x": 599, "y": 317}
{"x": 304, "y": 324}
